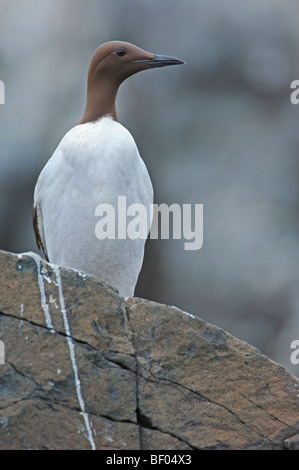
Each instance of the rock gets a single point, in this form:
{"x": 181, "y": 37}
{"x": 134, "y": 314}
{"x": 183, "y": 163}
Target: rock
{"x": 292, "y": 443}
{"x": 85, "y": 368}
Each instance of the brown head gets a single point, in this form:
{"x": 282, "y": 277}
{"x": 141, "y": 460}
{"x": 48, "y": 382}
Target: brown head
{"x": 110, "y": 65}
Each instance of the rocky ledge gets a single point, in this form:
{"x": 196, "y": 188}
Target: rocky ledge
{"x": 87, "y": 369}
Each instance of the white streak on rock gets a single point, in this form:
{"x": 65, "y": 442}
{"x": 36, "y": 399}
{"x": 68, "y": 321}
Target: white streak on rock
{"x": 73, "y": 358}
{"x": 53, "y": 301}
{"x": 47, "y": 278}
{"x": 4, "y": 422}
{"x": 44, "y": 304}
{"x": 21, "y": 313}
{"x": 184, "y": 313}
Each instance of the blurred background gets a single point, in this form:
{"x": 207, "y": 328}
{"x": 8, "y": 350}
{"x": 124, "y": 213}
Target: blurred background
{"x": 220, "y": 131}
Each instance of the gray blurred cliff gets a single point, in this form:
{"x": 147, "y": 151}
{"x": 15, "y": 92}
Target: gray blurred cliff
{"x": 220, "y": 131}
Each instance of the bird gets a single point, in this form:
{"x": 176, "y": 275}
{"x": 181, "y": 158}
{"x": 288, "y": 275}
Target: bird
{"x": 95, "y": 163}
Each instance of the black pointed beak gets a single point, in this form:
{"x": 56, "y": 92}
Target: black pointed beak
{"x": 161, "y": 61}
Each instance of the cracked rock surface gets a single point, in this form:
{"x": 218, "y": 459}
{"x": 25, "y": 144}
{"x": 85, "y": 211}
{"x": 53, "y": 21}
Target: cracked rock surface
{"x": 87, "y": 369}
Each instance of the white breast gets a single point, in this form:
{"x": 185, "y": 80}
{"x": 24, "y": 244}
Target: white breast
{"x": 93, "y": 164}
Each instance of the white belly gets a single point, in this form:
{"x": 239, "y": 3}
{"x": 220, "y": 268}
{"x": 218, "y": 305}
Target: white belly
{"x": 94, "y": 164}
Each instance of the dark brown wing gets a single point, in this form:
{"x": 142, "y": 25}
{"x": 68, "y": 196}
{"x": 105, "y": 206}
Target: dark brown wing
{"x": 37, "y": 234}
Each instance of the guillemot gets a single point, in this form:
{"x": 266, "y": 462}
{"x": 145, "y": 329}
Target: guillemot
{"x": 96, "y": 162}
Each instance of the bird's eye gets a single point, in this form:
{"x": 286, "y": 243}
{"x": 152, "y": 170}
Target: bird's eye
{"x": 120, "y": 52}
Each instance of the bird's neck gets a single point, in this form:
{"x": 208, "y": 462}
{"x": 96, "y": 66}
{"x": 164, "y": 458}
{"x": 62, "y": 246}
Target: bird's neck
{"x": 100, "y": 101}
